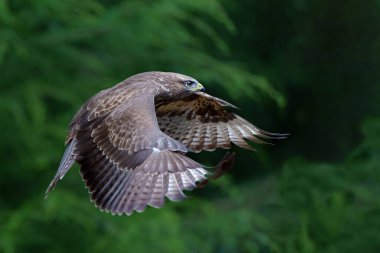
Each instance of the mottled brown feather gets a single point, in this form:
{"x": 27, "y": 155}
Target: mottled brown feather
{"x": 202, "y": 122}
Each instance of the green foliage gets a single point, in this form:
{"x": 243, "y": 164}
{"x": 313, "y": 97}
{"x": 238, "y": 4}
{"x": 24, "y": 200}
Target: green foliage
{"x": 324, "y": 55}
{"x": 320, "y": 191}
{"x": 338, "y": 204}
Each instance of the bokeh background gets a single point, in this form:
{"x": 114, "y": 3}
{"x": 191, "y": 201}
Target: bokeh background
{"x": 305, "y": 67}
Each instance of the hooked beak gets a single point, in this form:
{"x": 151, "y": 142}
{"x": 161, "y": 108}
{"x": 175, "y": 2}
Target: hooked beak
{"x": 200, "y": 87}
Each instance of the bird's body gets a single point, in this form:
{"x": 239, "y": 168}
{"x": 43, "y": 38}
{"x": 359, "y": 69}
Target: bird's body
{"x": 131, "y": 140}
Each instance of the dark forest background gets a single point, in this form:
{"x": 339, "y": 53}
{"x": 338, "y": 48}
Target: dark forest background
{"x": 308, "y": 68}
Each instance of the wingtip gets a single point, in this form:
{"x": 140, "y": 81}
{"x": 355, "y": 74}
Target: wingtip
{"x": 270, "y": 135}
{"x": 48, "y": 190}
{"x": 51, "y": 187}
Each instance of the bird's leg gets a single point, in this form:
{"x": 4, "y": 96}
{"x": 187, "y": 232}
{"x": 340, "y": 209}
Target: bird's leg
{"x": 224, "y": 165}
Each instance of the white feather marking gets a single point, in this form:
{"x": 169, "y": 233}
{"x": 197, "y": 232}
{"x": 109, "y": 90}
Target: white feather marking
{"x": 186, "y": 181}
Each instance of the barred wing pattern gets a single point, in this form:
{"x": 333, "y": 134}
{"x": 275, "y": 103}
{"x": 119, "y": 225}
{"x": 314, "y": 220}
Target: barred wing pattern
{"x": 202, "y": 122}
{"x": 126, "y": 161}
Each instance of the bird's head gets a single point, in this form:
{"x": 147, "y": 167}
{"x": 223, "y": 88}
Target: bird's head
{"x": 178, "y": 84}
{"x": 173, "y": 83}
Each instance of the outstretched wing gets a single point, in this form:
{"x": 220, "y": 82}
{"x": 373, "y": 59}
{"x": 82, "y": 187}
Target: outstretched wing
{"x": 127, "y": 162}
{"x": 202, "y": 122}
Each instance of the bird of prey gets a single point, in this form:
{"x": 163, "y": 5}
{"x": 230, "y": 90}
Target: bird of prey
{"x": 131, "y": 140}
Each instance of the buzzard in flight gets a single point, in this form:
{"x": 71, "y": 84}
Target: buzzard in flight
{"x": 131, "y": 140}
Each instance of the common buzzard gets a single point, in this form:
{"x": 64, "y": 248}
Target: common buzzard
{"x": 131, "y": 140}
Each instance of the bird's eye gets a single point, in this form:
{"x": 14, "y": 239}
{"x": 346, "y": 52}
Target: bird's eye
{"x": 190, "y": 83}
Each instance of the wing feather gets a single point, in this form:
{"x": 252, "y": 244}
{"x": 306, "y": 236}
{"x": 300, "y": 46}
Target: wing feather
{"x": 201, "y": 122}
{"x": 66, "y": 163}
{"x": 124, "y": 191}
{"x": 126, "y": 162}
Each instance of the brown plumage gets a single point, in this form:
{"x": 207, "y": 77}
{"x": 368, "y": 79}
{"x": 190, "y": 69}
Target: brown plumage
{"x": 131, "y": 140}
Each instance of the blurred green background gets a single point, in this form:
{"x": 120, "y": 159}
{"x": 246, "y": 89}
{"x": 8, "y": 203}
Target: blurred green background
{"x": 308, "y": 68}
